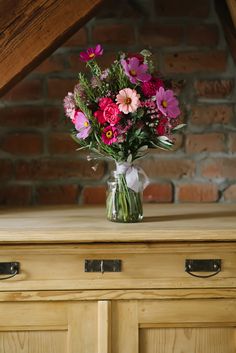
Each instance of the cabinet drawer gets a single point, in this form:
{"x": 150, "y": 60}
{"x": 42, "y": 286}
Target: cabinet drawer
{"x": 142, "y": 266}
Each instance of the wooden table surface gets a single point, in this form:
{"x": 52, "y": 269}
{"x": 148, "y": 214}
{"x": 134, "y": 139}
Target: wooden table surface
{"x": 79, "y": 224}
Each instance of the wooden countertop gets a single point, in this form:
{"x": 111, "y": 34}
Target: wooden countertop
{"x": 76, "y": 224}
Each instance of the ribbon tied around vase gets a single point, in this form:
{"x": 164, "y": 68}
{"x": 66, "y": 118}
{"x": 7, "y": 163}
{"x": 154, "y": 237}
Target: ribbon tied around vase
{"x": 132, "y": 175}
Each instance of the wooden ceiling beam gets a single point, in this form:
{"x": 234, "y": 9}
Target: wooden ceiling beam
{"x": 232, "y": 9}
{"x": 226, "y": 18}
{"x": 31, "y": 30}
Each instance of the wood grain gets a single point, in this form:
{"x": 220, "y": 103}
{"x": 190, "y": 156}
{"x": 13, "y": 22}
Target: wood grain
{"x": 187, "y": 340}
{"x": 162, "y": 223}
{"x": 104, "y": 326}
{"x": 232, "y": 8}
{"x": 125, "y": 327}
{"x": 227, "y": 16}
{"x": 31, "y": 30}
{"x": 33, "y": 342}
{"x": 118, "y": 294}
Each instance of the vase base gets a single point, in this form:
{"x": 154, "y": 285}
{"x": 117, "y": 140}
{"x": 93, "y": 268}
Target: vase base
{"x": 130, "y": 220}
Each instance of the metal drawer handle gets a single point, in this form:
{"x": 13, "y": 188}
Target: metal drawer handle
{"x": 102, "y": 266}
{"x": 206, "y": 265}
{"x": 9, "y": 269}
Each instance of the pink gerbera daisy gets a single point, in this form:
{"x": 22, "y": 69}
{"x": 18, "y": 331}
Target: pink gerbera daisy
{"x": 109, "y": 135}
{"x": 82, "y": 125}
{"x": 128, "y": 100}
{"x": 135, "y": 71}
{"x": 91, "y": 53}
{"x": 167, "y": 103}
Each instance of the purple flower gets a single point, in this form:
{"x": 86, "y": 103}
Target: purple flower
{"x": 82, "y": 125}
{"x": 167, "y": 103}
{"x": 91, "y": 53}
{"x": 135, "y": 71}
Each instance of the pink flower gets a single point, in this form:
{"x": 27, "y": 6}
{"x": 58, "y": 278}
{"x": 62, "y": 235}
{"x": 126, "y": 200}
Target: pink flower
{"x": 128, "y": 100}
{"x": 149, "y": 88}
{"x": 99, "y": 116}
{"x": 91, "y": 53}
{"x": 136, "y": 55}
{"x": 109, "y": 135}
{"x": 103, "y": 102}
{"x": 69, "y": 105}
{"x": 167, "y": 103}
{"x": 111, "y": 114}
{"x": 135, "y": 71}
{"x": 82, "y": 125}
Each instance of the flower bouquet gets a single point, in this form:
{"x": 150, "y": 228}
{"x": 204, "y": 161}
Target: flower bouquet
{"x": 119, "y": 113}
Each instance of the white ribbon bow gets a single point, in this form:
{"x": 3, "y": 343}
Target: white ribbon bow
{"x": 131, "y": 173}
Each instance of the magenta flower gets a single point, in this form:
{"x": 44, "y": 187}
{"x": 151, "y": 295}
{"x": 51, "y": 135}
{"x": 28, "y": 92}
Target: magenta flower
{"x": 167, "y": 103}
{"x": 149, "y": 88}
{"x": 99, "y": 116}
{"x": 91, "y": 53}
{"x": 104, "y": 101}
{"x": 111, "y": 114}
{"x": 109, "y": 135}
{"x": 135, "y": 71}
{"x": 82, "y": 125}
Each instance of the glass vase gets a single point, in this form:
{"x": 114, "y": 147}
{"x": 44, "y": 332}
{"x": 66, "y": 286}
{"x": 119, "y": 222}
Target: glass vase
{"x": 123, "y": 204}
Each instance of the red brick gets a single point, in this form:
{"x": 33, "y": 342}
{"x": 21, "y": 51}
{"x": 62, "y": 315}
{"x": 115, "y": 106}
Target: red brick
{"x": 192, "y": 62}
{"x": 25, "y": 90}
{"x": 168, "y": 168}
{"x": 23, "y": 143}
{"x": 94, "y": 195}
{"x": 160, "y": 35}
{"x": 113, "y": 34}
{"x": 58, "y": 88}
{"x": 6, "y": 169}
{"x": 214, "y": 88}
{"x": 54, "y": 63}
{"x": 211, "y": 114}
{"x": 57, "y": 194}
{"x": 232, "y": 142}
{"x": 125, "y": 9}
{"x": 230, "y": 193}
{"x": 198, "y": 193}
{"x": 197, "y": 143}
{"x": 46, "y": 169}
{"x": 219, "y": 168}
{"x": 79, "y": 38}
{"x": 15, "y": 195}
{"x": 60, "y": 143}
{"x": 106, "y": 59}
{"x": 75, "y": 64}
{"x": 182, "y": 8}
{"x": 158, "y": 193}
{"x": 29, "y": 116}
{"x": 202, "y": 35}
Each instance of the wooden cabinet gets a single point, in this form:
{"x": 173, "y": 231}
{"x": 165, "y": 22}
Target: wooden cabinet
{"x": 150, "y": 304}
{"x": 48, "y": 327}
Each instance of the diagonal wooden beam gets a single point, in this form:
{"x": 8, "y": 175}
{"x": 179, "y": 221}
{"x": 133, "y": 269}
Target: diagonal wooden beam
{"x": 30, "y": 30}
{"x": 228, "y": 26}
{"x": 232, "y": 9}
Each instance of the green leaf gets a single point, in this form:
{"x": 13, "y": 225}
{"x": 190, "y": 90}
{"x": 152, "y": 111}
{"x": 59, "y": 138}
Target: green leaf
{"x": 178, "y": 127}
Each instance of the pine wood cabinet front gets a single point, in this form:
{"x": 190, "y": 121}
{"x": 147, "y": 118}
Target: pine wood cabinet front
{"x": 151, "y": 305}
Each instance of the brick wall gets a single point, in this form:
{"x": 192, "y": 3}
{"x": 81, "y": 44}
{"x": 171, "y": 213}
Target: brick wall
{"x": 39, "y": 163}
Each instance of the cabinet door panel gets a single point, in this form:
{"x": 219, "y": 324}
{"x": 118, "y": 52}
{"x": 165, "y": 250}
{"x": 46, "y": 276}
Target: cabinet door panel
{"x": 187, "y": 340}
{"x": 174, "y": 326}
{"x": 58, "y": 327}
